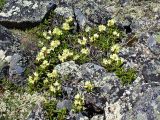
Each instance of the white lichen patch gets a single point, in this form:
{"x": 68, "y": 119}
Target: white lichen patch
{"x": 13, "y": 10}
{"x": 26, "y": 3}
{"x": 112, "y": 111}
{"x": 17, "y": 106}
{"x": 35, "y": 5}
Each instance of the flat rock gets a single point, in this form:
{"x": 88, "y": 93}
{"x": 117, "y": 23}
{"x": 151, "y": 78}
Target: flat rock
{"x": 23, "y": 12}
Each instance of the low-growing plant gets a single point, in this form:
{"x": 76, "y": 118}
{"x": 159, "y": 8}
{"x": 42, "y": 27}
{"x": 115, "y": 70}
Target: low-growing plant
{"x": 52, "y": 113}
{"x": 78, "y": 103}
{"x": 64, "y": 44}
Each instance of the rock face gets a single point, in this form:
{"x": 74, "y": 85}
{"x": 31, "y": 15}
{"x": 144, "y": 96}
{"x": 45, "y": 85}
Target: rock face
{"x": 21, "y": 13}
{"x": 85, "y": 12}
{"x": 147, "y": 107}
{"x": 12, "y": 60}
{"x": 109, "y": 100}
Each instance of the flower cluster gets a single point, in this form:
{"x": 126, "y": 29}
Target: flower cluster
{"x": 78, "y": 102}
{"x": 85, "y": 51}
{"x": 111, "y": 22}
{"x": 94, "y": 37}
{"x": 101, "y": 28}
{"x": 34, "y": 78}
{"x": 66, "y": 53}
{"x": 113, "y": 58}
{"x": 55, "y": 87}
{"x": 88, "y": 86}
{"x": 83, "y": 41}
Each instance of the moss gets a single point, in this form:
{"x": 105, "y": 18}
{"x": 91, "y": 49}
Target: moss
{"x": 126, "y": 76}
{"x": 2, "y": 2}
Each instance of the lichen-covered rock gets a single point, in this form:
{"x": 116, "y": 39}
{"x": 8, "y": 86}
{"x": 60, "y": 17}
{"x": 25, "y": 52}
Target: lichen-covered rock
{"x": 151, "y": 71}
{"x": 147, "y": 107}
{"x": 69, "y": 69}
{"x": 12, "y": 61}
{"x": 37, "y": 113}
{"x": 112, "y": 111}
{"x": 98, "y": 117}
{"x": 88, "y": 12}
{"x": 19, "y": 13}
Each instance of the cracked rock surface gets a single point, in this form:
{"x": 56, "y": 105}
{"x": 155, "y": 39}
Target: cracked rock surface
{"x": 24, "y": 11}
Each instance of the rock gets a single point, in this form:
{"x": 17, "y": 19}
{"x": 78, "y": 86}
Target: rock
{"x": 147, "y": 107}
{"x": 98, "y": 117}
{"x": 24, "y": 13}
{"x": 112, "y": 111}
{"x": 69, "y": 69}
{"x": 81, "y": 117}
{"x": 88, "y": 12}
{"x": 64, "y": 104}
{"x": 107, "y": 86}
{"x": 13, "y": 63}
{"x": 151, "y": 71}
{"x": 92, "y": 71}
{"x": 153, "y": 44}
{"x": 9, "y": 46}
{"x": 37, "y": 113}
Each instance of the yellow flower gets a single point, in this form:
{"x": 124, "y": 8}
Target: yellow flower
{"x": 43, "y": 49}
{"x": 45, "y": 81}
{"x": 35, "y": 74}
{"x": 79, "y": 107}
{"x": 91, "y": 39}
{"x": 88, "y": 85}
{"x": 55, "y": 44}
{"x": 87, "y": 29}
{"x": 56, "y": 84}
{"x": 52, "y": 89}
{"x": 85, "y": 51}
{"x": 114, "y": 57}
{"x": 45, "y": 34}
{"x": 50, "y": 32}
{"x": 96, "y": 36}
{"x": 44, "y": 64}
{"x": 111, "y": 22}
{"x": 116, "y": 33}
{"x": 78, "y": 96}
{"x": 106, "y": 62}
{"x": 76, "y": 57}
{"x": 54, "y": 73}
{"x": 49, "y": 50}
{"x": 101, "y": 28}
{"x": 66, "y": 53}
{"x": 57, "y": 31}
{"x": 70, "y": 19}
{"x": 31, "y": 80}
{"x": 77, "y": 103}
{"x": 66, "y": 26}
{"x": 40, "y": 56}
{"x": 115, "y": 48}
{"x": 82, "y": 42}
{"x": 61, "y": 58}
